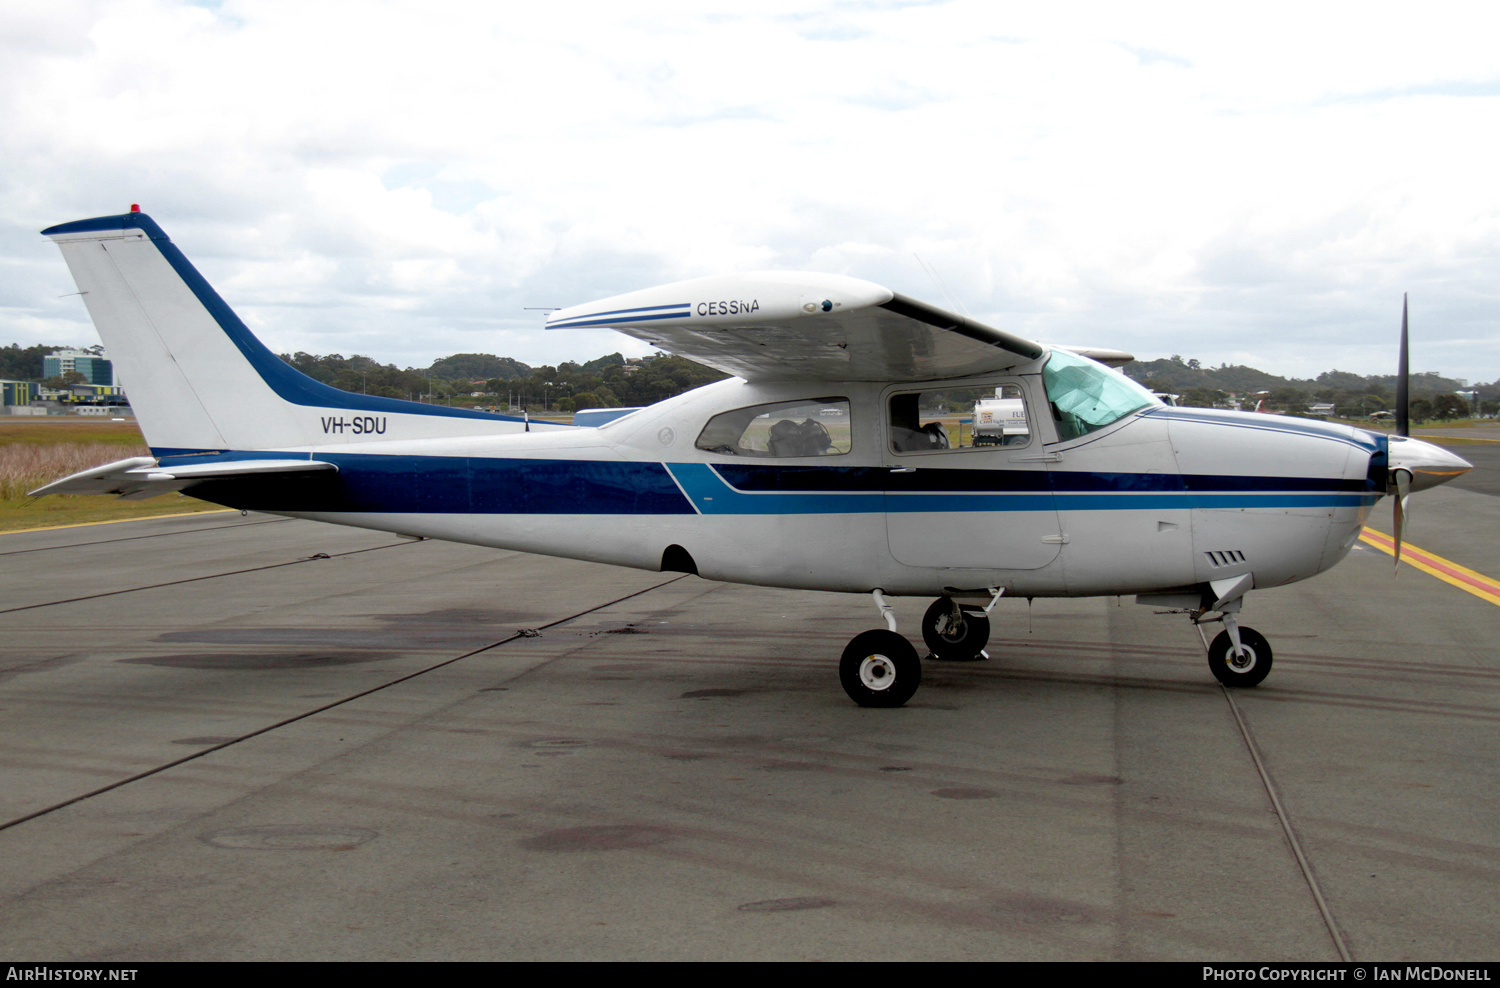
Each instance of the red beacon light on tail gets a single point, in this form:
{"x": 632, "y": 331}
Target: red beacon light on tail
{"x": 135, "y": 207}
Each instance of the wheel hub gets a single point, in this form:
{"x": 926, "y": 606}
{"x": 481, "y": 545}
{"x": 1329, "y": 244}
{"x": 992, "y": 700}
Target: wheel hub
{"x": 1243, "y": 661}
{"x": 877, "y": 672}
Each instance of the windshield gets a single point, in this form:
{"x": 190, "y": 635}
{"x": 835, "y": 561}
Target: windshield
{"x": 1086, "y": 395}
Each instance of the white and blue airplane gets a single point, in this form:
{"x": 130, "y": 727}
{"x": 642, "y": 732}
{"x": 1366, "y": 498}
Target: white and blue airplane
{"x": 843, "y": 455}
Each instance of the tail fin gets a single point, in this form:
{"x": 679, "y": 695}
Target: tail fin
{"x": 197, "y": 378}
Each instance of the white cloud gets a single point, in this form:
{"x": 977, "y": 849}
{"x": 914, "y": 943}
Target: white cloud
{"x": 403, "y": 179}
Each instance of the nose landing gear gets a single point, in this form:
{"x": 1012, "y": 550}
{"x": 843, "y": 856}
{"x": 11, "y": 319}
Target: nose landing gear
{"x": 1239, "y": 656}
{"x": 1249, "y": 667}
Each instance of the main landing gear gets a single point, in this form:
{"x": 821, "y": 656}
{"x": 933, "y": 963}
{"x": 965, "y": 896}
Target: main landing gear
{"x": 954, "y": 632}
{"x": 880, "y": 668}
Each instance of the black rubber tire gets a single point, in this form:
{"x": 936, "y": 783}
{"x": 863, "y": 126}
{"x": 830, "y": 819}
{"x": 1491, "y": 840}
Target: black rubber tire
{"x": 880, "y": 669}
{"x": 964, "y": 646}
{"x": 1252, "y": 669}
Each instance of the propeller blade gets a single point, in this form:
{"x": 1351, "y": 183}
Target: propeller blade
{"x": 1401, "y": 480}
{"x": 1403, "y": 424}
{"x": 1396, "y": 523}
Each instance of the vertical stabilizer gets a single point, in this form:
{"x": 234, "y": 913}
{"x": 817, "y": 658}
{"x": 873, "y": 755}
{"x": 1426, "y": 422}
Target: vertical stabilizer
{"x": 196, "y": 376}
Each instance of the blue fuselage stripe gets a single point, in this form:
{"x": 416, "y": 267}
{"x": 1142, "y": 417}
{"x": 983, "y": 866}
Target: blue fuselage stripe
{"x": 490, "y": 485}
{"x": 457, "y": 485}
{"x": 1009, "y": 491}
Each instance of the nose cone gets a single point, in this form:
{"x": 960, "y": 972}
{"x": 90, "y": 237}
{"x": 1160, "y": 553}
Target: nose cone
{"x": 1428, "y": 465}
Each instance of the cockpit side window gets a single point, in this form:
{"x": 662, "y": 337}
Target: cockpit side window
{"x": 807, "y": 427}
{"x": 1086, "y": 396}
{"x": 958, "y": 418}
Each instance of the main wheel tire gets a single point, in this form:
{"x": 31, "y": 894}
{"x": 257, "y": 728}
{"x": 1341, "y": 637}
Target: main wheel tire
{"x": 1246, "y": 670}
{"x": 955, "y": 644}
{"x": 880, "y": 669}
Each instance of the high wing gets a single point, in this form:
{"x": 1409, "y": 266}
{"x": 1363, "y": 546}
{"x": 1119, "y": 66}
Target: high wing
{"x": 140, "y": 477}
{"x": 784, "y": 326}
{"x": 1105, "y": 356}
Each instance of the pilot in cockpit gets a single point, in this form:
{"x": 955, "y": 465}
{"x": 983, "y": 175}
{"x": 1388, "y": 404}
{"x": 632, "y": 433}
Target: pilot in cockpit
{"x": 908, "y": 434}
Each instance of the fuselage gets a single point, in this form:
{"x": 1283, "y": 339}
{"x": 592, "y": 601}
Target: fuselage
{"x": 1158, "y": 499}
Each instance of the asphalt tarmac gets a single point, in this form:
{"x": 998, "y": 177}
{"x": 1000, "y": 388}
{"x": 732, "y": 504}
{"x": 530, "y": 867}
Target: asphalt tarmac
{"x": 1485, "y": 477}
{"x": 227, "y": 737}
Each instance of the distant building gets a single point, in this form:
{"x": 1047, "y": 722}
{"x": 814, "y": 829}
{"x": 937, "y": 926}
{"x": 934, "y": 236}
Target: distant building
{"x": 98, "y": 394}
{"x": 1323, "y": 409}
{"x": 18, "y": 392}
{"x": 80, "y": 395}
{"x": 95, "y": 367}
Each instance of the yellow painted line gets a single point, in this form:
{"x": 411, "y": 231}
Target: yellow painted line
{"x": 113, "y": 521}
{"x": 1481, "y": 586}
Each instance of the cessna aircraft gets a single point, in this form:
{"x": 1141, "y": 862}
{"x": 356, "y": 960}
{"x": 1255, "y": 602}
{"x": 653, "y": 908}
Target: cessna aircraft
{"x": 845, "y": 454}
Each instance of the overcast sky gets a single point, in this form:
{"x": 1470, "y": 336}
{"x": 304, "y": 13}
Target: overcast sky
{"x": 1254, "y": 184}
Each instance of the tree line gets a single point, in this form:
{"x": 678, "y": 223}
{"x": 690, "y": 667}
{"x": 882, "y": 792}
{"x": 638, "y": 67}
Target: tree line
{"x": 610, "y": 382}
{"x": 1431, "y": 395}
{"x": 485, "y": 380}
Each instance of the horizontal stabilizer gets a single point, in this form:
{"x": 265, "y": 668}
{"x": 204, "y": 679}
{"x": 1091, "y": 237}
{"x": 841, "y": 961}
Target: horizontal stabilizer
{"x": 141, "y": 477}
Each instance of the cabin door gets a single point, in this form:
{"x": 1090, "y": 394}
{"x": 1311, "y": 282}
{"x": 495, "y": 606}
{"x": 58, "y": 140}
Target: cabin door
{"x": 968, "y": 485}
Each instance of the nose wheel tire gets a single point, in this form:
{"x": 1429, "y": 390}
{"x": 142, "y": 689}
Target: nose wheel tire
{"x": 955, "y": 639}
{"x": 880, "y": 669}
{"x": 1248, "y": 668}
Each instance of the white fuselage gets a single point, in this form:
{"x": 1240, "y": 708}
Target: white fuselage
{"x": 1162, "y": 499}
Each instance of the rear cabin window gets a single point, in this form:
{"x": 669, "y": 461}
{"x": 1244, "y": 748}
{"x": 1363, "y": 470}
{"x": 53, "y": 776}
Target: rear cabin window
{"x": 807, "y": 427}
{"x": 958, "y": 418}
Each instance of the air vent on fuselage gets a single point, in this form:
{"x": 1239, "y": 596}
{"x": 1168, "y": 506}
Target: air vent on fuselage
{"x": 1224, "y": 557}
